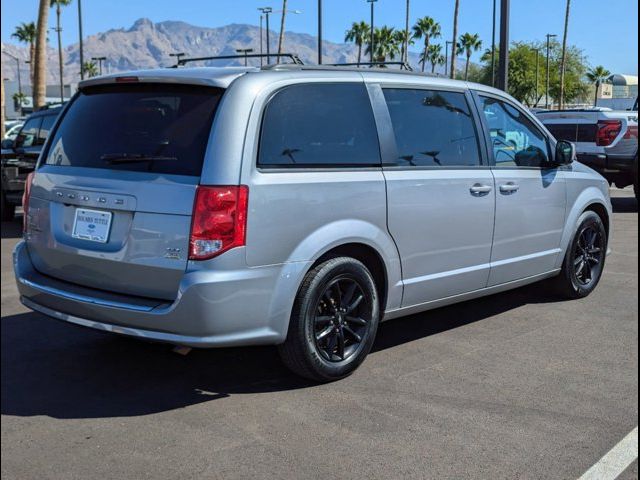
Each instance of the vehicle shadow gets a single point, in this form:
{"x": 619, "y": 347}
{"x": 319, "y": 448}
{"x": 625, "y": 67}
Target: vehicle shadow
{"x": 624, "y": 204}
{"x": 12, "y": 229}
{"x": 62, "y": 371}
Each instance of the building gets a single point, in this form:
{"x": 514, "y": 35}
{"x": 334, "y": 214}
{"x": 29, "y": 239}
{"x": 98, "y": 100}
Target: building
{"x": 14, "y": 111}
{"x": 621, "y": 92}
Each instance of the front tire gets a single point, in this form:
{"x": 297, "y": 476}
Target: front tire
{"x": 334, "y": 321}
{"x": 585, "y": 258}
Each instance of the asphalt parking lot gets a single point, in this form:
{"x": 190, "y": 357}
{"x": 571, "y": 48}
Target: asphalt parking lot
{"x": 518, "y": 385}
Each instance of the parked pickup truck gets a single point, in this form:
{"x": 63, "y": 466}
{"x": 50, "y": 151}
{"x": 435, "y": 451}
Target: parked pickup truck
{"x": 606, "y": 140}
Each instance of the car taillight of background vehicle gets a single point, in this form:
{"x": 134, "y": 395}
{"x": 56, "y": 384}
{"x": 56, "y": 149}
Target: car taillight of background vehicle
{"x": 219, "y": 220}
{"x": 608, "y": 131}
{"x": 25, "y": 201}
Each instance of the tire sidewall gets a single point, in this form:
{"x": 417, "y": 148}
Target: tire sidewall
{"x": 587, "y": 219}
{"x": 344, "y": 267}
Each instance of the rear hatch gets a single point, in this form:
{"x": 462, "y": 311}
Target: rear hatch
{"x": 111, "y": 203}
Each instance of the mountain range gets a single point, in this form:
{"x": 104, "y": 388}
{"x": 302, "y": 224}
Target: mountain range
{"x": 148, "y": 45}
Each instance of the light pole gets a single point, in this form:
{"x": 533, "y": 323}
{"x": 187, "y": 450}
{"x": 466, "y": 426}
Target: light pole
{"x": 266, "y": 11}
{"x": 503, "y": 67}
{"x": 446, "y": 56}
{"x": 58, "y": 30}
{"x": 281, "y": 36}
{"x": 261, "y": 46}
{"x": 549, "y": 37}
{"x": 493, "y": 47}
{"x": 178, "y": 56}
{"x": 19, "y": 79}
{"x": 99, "y": 60}
{"x": 372, "y": 2}
{"x": 80, "y": 48}
{"x": 245, "y": 52}
{"x": 319, "y": 32}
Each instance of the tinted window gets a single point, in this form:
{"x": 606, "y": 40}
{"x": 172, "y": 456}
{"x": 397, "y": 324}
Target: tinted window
{"x": 516, "y": 140}
{"x": 319, "y": 125}
{"x": 29, "y": 133}
{"x": 432, "y": 129}
{"x": 113, "y": 126}
{"x": 45, "y": 128}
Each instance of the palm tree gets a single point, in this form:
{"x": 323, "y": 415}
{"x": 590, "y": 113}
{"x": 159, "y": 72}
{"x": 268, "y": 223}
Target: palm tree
{"x": 427, "y": 28}
{"x": 386, "y": 43}
{"x": 59, "y": 4}
{"x": 19, "y": 98}
{"x": 468, "y": 44}
{"x": 90, "y": 69}
{"x": 281, "y": 37}
{"x": 359, "y": 33}
{"x": 563, "y": 61}
{"x": 455, "y": 38}
{"x": 26, "y": 33}
{"x": 40, "y": 60}
{"x": 404, "y": 41}
{"x": 598, "y": 75}
{"x": 435, "y": 57}
{"x": 2, "y": 131}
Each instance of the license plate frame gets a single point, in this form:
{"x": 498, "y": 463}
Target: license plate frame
{"x": 88, "y": 228}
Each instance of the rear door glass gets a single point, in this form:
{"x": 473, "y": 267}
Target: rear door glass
{"x": 29, "y": 133}
{"x": 137, "y": 127}
{"x": 45, "y": 128}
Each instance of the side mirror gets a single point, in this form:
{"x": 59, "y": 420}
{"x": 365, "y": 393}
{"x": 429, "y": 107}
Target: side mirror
{"x": 565, "y": 153}
{"x": 7, "y": 143}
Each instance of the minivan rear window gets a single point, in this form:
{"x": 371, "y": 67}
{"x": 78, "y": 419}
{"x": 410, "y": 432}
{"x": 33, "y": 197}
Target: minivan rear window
{"x": 143, "y": 127}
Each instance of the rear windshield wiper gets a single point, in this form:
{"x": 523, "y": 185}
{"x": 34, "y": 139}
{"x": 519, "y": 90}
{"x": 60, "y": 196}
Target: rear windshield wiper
{"x": 134, "y": 157}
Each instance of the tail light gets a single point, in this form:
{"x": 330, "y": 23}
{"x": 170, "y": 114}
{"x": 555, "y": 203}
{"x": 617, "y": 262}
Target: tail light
{"x": 608, "y": 131}
{"x": 219, "y": 220}
{"x": 25, "y": 201}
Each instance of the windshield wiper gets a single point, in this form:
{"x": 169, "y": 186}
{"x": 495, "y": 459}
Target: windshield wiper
{"x": 134, "y": 157}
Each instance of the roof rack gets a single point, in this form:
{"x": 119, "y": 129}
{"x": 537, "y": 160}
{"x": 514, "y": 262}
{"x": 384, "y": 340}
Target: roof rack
{"x": 291, "y": 56}
{"x": 402, "y": 65}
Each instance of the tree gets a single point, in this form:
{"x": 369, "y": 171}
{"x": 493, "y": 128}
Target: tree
{"x": 598, "y": 75}
{"x": 455, "y": 37}
{"x": 2, "y": 132}
{"x": 26, "y": 33}
{"x": 359, "y": 33}
{"x": 40, "y": 60}
{"x": 426, "y": 28}
{"x": 386, "y": 43}
{"x": 59, "y": 4}
{"x": 407, "y": 34}
{"x": 468, "y": 44}
{"x": 404, "y": 40}
{"x": 281, "y": 37}
{"x": 90, "y": 69}
{"x": 19, "y": 99}
{"x": 435, "y": 57}
{"x": 563, "y": 62}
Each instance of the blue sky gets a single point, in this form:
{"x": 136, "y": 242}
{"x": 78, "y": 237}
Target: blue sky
{"x": 606, "y": 30}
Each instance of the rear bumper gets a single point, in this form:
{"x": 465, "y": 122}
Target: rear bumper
{"x": 249, "y": 306}
{"x": 619, "y": 169}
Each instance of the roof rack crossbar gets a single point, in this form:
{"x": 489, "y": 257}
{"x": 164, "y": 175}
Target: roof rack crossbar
{"x": 291, "y": 56}
{"x": 402, "y": 65}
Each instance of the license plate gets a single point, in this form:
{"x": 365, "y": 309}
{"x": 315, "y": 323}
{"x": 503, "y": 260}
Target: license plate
{"x": 92, "y": 225}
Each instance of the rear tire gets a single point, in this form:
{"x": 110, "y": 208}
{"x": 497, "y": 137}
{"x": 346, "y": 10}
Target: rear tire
{"x": 7, "y": 210}
{"x": 334, "y": 321}
{"x": 585, "y": 258}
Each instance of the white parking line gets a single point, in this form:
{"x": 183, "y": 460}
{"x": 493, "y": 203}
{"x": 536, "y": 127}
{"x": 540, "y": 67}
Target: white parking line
{"x": 616, "y": 460}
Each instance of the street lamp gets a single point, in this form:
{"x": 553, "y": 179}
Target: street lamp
{"x": 446, "y": 56}
{"x": 80, "y": 48}
{"x": 99, "y": 60}
{"x": 281, "y": 37}
{"x": 493, "y": 47}
{"x": 372, "y": 2}
{"x": 178, "y": 56}
{"x": 537, "y": 50}
{"x": 503, "y": 64}
{"x": 266, "y": 11}
{"x": 549, "y": 37}
{"x": 58, "y": 30}
{"x": 244, "y": 51}
{"x": 319, "y": 32}
{"x": 19, "y": 79}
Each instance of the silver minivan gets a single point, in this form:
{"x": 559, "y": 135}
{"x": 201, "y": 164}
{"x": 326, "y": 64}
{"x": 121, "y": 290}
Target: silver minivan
{"x": 298, "y": 206}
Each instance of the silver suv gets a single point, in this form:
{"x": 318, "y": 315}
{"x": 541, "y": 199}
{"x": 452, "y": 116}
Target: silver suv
{"x": 298, "y": 206}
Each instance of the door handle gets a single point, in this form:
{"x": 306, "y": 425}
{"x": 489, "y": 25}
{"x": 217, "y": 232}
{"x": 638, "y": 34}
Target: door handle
{"x": 478, "y": 189}
{"x": 510, "y": 187}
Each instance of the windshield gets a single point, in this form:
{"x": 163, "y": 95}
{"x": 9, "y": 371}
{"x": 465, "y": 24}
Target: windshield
{"x": 157, "y": 127}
